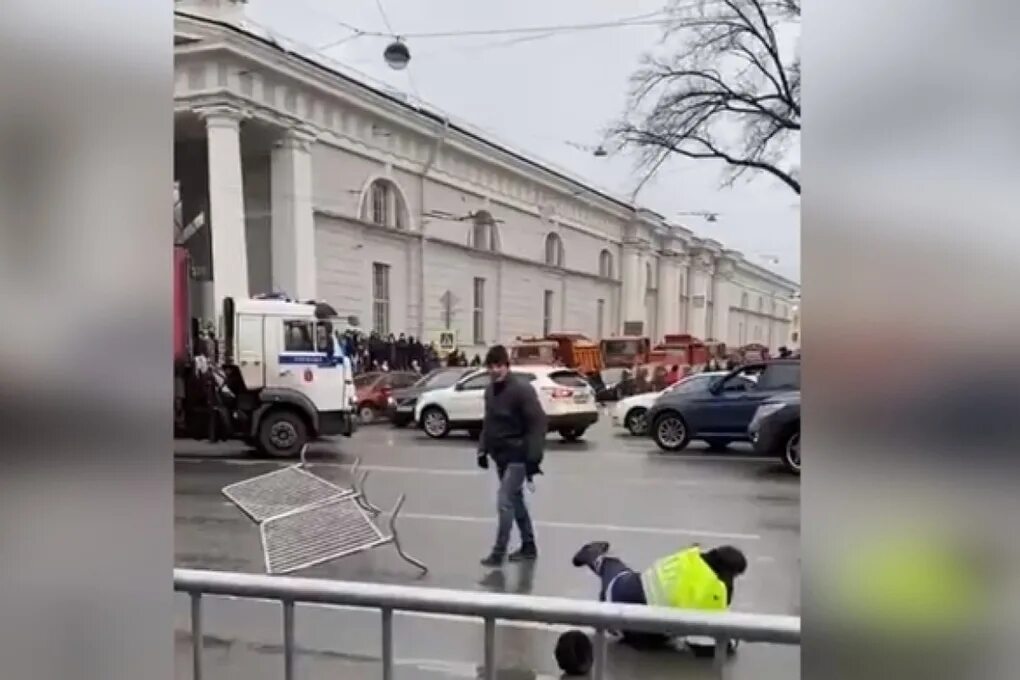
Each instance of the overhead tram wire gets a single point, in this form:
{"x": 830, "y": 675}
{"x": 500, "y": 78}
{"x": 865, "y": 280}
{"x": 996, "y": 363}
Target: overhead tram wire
{"x": 551, "y": 30}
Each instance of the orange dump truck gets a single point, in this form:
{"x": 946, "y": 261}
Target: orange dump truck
{"x": 572, "y": 350}
{"x": 626, "y": 351}
{"x": 682, "y": 350}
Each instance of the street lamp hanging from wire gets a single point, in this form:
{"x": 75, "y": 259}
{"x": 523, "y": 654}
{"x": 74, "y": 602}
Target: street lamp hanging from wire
{"x": 397, "y": 55}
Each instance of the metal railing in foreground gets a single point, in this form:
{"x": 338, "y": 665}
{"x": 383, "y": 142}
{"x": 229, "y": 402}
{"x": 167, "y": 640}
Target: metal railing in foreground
{"x": 489, "y": 607}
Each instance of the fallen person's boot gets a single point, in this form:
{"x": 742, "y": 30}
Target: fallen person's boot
{"x": 586, "y": 556}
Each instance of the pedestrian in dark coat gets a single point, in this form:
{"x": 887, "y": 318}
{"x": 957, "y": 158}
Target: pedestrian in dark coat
{"x": 513, "y": 436}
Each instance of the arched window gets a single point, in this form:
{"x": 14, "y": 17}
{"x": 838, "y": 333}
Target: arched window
{"x": 606, "y": 264}
{"x": 554, "y": 250}
{"x": 383, "y": 204}
{"x": 484, "y": 235}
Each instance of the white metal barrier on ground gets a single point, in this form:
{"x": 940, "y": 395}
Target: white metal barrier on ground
{"x": 489, "y": 607}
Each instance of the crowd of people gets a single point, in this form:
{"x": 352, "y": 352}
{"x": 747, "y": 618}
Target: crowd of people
{"x": 376, "y": 352}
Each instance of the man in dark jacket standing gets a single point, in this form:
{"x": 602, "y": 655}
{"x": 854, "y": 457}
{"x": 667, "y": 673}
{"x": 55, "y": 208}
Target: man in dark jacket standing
{"x": 513, "y": 435}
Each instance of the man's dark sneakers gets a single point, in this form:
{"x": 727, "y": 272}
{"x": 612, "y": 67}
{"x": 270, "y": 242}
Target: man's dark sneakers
{"x": 590, "y": 552}
{"x": 493, "y": 561}
{"x": 527, "y": 553}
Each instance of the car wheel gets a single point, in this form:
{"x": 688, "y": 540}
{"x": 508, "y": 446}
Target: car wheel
{"x": 670, "y": 432}
{"x": 366, "y": 414}
{"x": 635, "y": 421}
{"x": 282, "y": 434}
{"x": 572, "y": 434}
{"x": 435, "y": 423}
{"x": 791, "y": 452}
{"x": 717, "y": 444}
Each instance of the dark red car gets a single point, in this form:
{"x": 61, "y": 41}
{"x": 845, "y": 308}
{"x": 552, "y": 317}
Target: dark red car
{"x": 374, "y": 389}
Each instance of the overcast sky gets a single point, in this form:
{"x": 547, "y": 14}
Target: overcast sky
{"x": 544, "y": 95}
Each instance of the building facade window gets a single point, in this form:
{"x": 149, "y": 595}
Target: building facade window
{"x": 606, "y": 264}
{"x": 600, "y": 316}
{"x": 484, "y": 235}
{"x": 554, "y": 250}
{"x": 478, "y": 320}
{"x": 381, "y": 298}
{"x": 649, "y": 278}
{"x": 384, "y": 205}
{"x": 744, "y": 302}
{"x": 761, "y": 303}
{"x": 547, "y": 312}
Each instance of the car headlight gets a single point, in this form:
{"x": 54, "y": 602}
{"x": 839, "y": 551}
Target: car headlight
{"x": 765, "y": 410}
{"x": 391, "y": 401}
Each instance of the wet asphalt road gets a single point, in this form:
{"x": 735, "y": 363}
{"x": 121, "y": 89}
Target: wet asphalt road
{"x": 610, "y": 486}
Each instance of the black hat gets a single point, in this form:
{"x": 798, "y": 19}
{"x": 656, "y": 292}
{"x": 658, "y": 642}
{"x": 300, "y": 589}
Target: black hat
{"x": 574, "y": 653}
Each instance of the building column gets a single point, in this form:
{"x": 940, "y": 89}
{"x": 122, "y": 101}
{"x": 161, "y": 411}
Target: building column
{"x": 669, "y": 295}
{"x": 633, "y": 291}
{"x": 293, "y": 224}
{"x": 699, "y": 279}
{"x": 721, "y": 299}
{"x": 684, "y": 289}
{"x": 226, "y": 203}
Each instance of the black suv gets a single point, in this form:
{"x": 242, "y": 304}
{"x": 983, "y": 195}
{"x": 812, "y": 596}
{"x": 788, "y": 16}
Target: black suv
{"x": 775, "y": 429}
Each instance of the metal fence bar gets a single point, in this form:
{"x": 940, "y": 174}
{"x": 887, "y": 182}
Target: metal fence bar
{"x": 600, "y": 654}
{"x": 722, "y": 646}
{"x": 196, "y": 635}
{"x": 489, "y": 607}
{"x": 387, "y": 644}
{"x": 552, "y": 610}
{"x": 288, "y": 640}
{"x": 490, "y": 648}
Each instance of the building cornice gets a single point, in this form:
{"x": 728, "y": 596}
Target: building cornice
{"x": 330, "y": 83}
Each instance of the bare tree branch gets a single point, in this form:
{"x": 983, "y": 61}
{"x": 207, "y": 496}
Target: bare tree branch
{"x": 725, "y": 93}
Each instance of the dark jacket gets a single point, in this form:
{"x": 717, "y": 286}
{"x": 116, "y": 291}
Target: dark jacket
{"x": 514, "y": 427}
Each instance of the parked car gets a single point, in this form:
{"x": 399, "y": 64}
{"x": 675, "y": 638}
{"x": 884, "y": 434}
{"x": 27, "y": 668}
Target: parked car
{"x": 373, "y": 391}
{"x": 566, "y": 397}
{"x": 629, "y": 413}
{"x": 402, "y": 402}
{"x": 721, "y": 412}
{"x": 775, "y": 429}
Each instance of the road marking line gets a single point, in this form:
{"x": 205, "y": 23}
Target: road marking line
{"x": 715, "y": 484}
{"x": 657, "y": 531}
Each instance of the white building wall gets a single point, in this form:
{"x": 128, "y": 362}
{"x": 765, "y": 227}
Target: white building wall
{"x": 345, "y": 254}
{"x": 356, "y": 144}
{"x": 454, "y": 269}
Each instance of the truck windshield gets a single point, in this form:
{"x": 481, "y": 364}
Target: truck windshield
{"x": 621, "y": 346}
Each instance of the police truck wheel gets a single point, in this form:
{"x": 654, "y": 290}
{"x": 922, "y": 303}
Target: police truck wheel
{"x": 635, "y": 421}
{"x": 670, "y": 432}
{"x": 435, "y": 422}
{"x": 282, "y": 434}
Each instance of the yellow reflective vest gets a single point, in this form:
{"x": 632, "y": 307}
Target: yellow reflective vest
{"x": 684, "y": 580}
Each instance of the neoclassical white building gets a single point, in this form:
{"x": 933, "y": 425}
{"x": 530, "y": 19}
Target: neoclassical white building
{"x": 319, "y": 185}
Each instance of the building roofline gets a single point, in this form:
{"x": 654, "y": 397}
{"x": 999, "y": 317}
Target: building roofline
{"x": 408, "y": 105}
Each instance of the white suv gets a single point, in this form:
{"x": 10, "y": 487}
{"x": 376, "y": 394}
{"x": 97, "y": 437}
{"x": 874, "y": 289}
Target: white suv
{"x": 566, "y": 397}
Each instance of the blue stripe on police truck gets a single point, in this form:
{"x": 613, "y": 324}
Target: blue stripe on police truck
{"x": 310, "y": 359}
